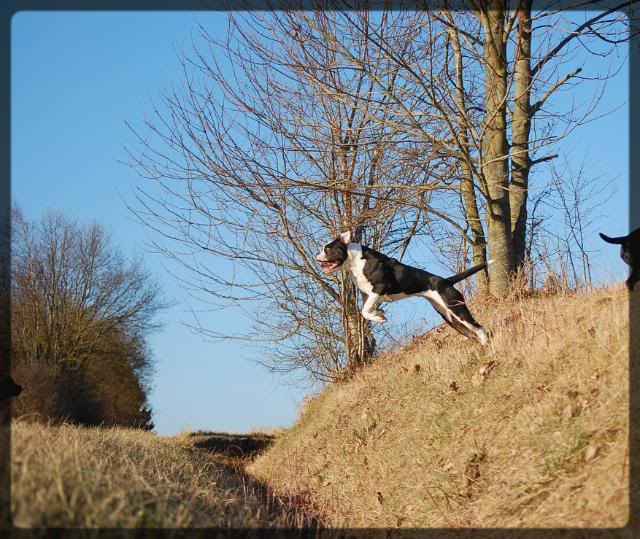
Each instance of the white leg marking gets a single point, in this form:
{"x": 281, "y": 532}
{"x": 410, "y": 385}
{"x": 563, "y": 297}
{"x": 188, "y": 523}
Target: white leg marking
{"x": 480, "y": 333}
{"x": 370, "y": 310}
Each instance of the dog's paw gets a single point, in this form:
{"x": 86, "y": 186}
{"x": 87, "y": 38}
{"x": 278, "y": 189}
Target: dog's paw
{"x": 375, "y": 316}
{"x": 483, "y": 336}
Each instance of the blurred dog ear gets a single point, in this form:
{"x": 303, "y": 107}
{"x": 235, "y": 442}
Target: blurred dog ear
{"x": 345, "y": 237}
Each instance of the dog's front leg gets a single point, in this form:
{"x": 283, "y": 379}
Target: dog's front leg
{"x": 370, "y": 310}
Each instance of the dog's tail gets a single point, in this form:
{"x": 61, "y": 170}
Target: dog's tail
{"x": 618, "y": 240}
{"x": 468, "y": 273}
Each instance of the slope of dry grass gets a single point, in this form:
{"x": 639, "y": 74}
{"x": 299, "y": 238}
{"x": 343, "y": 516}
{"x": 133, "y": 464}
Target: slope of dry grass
{"x": 528, "y": 432}
{"x": 67, "y": 476}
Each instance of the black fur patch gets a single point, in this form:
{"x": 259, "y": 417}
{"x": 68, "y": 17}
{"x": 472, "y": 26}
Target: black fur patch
{"x": 8, "y": 388}
{"x": 388, "y": 276}
{"x": 630, "y": 253}
{"x": 336, "y": 251}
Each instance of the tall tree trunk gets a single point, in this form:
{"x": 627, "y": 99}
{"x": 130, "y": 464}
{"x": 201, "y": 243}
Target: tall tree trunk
{"x": 359, "y": 343}
{"x": 520, "y": 129}
{"x": 478, "y": 247}
{"x": 472, "y": 215}
{"x": 495, "y": 164}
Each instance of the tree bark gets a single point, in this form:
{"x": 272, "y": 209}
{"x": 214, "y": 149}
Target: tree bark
{"x": 472, "y": 216}
{"x": 520, "y": 129}
{"x": 478, "y": 247}
{"x": 359, "y": 341}
{"x": 495, "y": 165}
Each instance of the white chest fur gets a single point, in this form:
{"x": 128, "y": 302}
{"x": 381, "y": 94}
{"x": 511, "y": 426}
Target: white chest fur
{"x": 356, "y": 267}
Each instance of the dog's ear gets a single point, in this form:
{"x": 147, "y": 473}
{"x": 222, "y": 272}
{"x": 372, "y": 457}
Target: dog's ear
{"x": 345, "y": 237}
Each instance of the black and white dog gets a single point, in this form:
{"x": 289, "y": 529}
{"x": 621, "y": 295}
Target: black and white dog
{"x": 385, "y": 279}
{"x": 630, "y": 253}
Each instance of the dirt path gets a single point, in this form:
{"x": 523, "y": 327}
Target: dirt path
{"x": 234, "y": 452}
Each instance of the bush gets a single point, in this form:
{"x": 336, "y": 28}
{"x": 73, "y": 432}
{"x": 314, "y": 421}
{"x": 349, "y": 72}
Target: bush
{"x": 80, "y": 315}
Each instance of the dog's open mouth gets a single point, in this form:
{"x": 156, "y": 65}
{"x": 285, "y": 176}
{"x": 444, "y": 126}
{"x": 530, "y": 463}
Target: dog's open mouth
{"x": 328, "y": 266}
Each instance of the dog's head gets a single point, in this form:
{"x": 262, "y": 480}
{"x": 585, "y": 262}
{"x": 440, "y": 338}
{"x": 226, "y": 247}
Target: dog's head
{"x": 334, "y": 254}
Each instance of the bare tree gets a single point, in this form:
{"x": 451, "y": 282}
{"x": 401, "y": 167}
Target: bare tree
{"x": 491, "y": 88}
{"x": 568, "y": 211}
{"x": 397, "y": 125}
{"x": 260, "y": 159}
{"x": 79, "y": 309}
{"x": 71, "y": 288}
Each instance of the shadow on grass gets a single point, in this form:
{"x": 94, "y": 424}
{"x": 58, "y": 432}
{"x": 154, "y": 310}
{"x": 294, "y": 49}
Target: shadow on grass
{"x": 234, "y": 452}
{"x": 239, "y": 446}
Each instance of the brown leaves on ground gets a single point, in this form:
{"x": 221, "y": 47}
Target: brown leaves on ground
{"x": 538, "y": 436}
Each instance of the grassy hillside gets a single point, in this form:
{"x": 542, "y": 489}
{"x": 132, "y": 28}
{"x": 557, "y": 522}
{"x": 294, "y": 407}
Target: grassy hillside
{"x": 66, "y": 476}
{"x": 530, "y": 431}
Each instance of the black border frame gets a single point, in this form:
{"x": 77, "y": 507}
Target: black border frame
{"x": 10, "y": 7}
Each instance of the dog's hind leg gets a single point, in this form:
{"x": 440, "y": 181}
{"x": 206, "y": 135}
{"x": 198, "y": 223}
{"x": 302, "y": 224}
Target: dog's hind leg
{"x": 451, "y": 306}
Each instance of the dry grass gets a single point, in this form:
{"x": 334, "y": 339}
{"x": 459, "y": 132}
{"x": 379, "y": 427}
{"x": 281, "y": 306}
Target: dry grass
{"x": 68, "y": 476}
{"x": 531, "y": 431}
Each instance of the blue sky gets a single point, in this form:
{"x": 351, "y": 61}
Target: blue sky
{"x": 76, "y": 77}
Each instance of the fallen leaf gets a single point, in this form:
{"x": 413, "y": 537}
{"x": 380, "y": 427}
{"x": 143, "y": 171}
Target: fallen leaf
{"x": 590, "y": 452}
